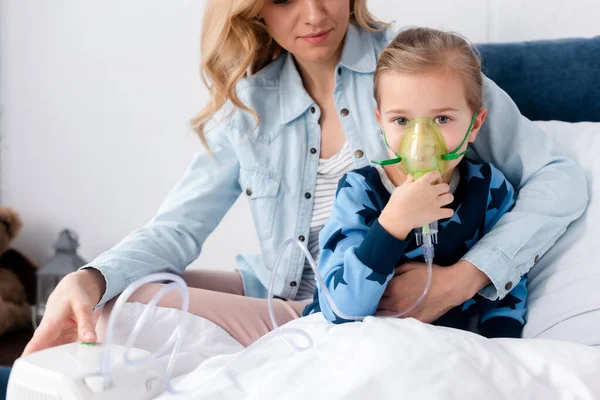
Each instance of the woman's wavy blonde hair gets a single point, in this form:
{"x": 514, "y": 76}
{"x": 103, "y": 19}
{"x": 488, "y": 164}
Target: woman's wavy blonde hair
{"x": 235, "y": 44}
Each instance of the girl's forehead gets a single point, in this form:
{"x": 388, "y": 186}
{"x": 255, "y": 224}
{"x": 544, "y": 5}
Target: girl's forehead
{"x": 431, "y": 90}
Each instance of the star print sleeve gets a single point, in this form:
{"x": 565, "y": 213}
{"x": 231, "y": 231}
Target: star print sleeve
{"x": 358, "y": 256}
{"x": 507, "y": 318}
{"x": 501, "y": 199}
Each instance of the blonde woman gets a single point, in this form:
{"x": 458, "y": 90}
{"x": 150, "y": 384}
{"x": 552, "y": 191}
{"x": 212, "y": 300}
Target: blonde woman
{"x": 291, "y": 110}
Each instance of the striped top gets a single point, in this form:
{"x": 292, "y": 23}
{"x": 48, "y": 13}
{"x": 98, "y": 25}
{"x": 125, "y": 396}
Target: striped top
{"x": 329, "y": 172}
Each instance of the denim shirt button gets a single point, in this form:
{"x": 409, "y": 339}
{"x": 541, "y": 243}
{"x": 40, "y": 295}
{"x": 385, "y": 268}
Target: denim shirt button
{"x": 344, "y": 112}
{"x": 508, "y": 286}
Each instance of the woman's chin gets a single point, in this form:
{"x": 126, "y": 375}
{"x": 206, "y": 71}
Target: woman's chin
{"x": 318, "y": 54}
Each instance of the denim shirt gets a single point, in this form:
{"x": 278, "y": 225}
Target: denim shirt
{"x": 275, "y": 163}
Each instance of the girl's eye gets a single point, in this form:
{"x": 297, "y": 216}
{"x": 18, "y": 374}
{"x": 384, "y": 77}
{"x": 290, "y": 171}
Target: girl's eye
{"x": 442, "y": 119}
{"x": 281, "y": 1}
{"x": 400, "y": 121}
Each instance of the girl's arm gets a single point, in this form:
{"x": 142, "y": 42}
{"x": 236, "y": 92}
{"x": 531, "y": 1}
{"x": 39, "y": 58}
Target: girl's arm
{"x": 358, "y": 256}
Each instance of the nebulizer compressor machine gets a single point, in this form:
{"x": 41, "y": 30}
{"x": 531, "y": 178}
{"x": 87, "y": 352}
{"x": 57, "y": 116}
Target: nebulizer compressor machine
{"x": 114, "y": 371}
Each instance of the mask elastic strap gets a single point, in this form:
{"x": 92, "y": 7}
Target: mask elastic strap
{"x": 391, "y": 161}
{"x": 453, "y": 155}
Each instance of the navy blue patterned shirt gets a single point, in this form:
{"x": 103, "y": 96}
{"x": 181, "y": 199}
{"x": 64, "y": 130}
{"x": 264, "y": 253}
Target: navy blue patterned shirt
{"x": 358, "y": 256}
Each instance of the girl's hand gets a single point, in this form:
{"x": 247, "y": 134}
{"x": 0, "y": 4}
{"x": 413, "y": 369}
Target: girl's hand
{"x": 414, "y": 204}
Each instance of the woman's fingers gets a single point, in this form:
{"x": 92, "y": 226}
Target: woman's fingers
{"x": 45, "y": 336}
{"x": 85, "y": 322}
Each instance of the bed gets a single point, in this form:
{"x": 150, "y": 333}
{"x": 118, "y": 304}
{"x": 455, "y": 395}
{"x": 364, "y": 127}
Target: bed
{"x": 554, "y": 82}
{"x": 558, "y": 82}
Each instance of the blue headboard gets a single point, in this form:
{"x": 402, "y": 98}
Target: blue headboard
{"x": 549, "y": 79}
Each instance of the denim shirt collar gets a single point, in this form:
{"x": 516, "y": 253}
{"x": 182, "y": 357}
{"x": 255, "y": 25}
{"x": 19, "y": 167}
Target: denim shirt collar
{"x": 358, "y": 55}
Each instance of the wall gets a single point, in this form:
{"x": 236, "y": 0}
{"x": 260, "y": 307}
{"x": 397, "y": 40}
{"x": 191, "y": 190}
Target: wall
{"x": 95, "y": 98}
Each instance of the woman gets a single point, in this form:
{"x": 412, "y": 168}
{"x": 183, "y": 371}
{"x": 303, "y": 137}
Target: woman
{"x": 292, "y": 110}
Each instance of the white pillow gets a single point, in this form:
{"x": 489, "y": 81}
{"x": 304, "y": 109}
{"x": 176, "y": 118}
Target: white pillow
{"x": 564, "y": 287}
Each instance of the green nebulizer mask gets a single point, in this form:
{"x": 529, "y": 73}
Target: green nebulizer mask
{"x": 423, "y": 149}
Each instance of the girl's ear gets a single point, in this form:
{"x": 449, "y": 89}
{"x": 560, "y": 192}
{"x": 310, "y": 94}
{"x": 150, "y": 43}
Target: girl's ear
{"x": 479, "y": 120}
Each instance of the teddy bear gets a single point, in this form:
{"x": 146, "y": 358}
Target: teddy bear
{"x": 16, "y": 272}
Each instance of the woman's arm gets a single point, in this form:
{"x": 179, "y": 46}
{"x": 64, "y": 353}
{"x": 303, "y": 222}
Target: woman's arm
{"x": 551, "y": 188}
{"x": 189, "y": 213}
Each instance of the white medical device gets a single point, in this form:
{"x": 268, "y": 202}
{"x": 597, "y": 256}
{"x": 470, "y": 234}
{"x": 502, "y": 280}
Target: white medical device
{"x": 72, "y": 372}
{"x": 83, "y": 371}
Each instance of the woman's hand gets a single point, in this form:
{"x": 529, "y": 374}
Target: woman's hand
{"x": 416, "y": 203}
{"x": 450, "y": 287}
{"x": 69, "y": 314}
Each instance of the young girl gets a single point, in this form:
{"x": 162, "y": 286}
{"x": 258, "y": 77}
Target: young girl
{"x": 433, "y": 79}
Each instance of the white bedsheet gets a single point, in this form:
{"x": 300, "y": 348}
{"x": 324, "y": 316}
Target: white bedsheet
{"x": 395, "y": 359}
{"x": 404, "y": 359}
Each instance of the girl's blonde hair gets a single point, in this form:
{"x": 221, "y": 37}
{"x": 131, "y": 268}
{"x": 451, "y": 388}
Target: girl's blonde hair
{"x": 416, "y": 50}
{"x": 235, "y": 44}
